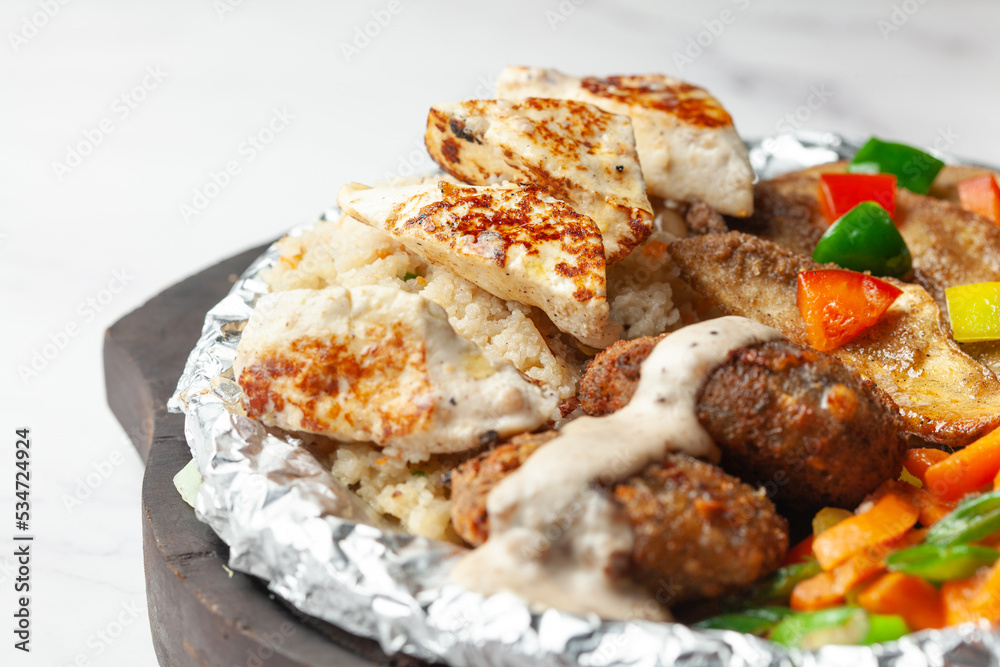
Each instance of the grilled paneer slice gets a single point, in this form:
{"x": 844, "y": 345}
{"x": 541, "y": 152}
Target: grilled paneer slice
{"x": 687, "y": 145}
{"x": 949, "y": 245}
{"x": 513, "y": 241}
{"x": 573, "y": 151}
{"x": 942, "y": 395}
{"x": 378, "y": 364}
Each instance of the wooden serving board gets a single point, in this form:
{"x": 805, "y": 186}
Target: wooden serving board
{"x": 199, "y": 613}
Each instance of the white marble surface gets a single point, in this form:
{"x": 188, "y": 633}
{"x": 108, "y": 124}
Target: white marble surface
{"x": 110, "y": 229}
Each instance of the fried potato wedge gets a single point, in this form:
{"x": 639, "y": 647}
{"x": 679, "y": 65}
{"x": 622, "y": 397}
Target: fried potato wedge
{"x": 513, "y": 241}
{"x": 950, "y": 246}
{"x": 574, "y": 151}
{"x": 942, "y": 394}
{"x": 687, "y": 144}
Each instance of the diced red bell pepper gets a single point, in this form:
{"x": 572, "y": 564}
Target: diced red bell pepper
{"x": 800, "y": 553}
{"x": 838, "y": 305}
{"x": 839, "y": 193}
{"x": 981, "y": 195}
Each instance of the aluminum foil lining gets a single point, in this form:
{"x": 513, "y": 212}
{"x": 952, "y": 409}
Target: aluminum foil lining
{"x": 289, "y": 522}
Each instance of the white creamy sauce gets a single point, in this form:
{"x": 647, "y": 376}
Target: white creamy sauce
{"x": 555, "y": 538}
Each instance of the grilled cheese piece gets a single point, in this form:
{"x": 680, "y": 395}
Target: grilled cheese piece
{"x": 379, "y": 364}
{"x": 513, "y": 241}
{"x": 574, "y": 151}
{"x": 687, "y": 145}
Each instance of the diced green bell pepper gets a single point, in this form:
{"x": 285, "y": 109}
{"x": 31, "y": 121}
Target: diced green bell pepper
{"x": 777, "y": 588}
{"x": 914, "y": 169}
{"x": 973, "y": 519}
{"x": 751, "y": 621}
{"x": 837, "y": 625}
{"x": 938, "y": 564}
{"x": 865, "y": 239}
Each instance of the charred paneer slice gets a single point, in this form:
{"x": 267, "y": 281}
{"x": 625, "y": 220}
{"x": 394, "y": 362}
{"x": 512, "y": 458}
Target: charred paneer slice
{"x": 687, "y": 145}
{"x": 942, "y": 395}
{"x": 513, "y": 241}
{"x": 379, "y": 364}
{"x": 573, "y": 151}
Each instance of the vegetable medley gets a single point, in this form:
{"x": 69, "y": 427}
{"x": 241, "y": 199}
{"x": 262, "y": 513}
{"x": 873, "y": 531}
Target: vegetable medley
{"x": 920, "y": 552}
{"x": 923, "y": 550}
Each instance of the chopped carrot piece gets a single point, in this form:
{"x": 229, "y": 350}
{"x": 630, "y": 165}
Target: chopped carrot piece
{"x": 956, "y": 596}
{"x": 919, "y": 459}
{"x": 974, "y": 599}
{"x": 996, "y": 482}
{"x": 918, "y": 602}
{"x": 654, "y": 249}
{"x": 830, "y": 588}
{"x": 932, "y": 509}
{"x": 800, "y": 552}
{"x": 817, "y": 592}
{"x": 890, "y": 517}
{"x": 966, "y": 470}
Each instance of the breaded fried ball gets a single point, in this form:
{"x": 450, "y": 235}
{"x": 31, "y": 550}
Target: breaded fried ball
{"x": 698, "y": 531}
{"x": 800, "y": 423}
{"x": 612, "y": 376}
{"x": 473, "y": 480}
{"x": 792, "y": 419}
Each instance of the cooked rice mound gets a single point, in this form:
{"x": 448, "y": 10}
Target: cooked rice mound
{"x": 412, "y": 493}
{"x": 346, "y": 252}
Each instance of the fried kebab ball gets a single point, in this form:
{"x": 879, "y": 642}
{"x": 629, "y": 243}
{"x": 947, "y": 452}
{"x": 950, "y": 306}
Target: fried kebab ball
{"x": 792, "y": 419}
{"x": 698, "y": 531}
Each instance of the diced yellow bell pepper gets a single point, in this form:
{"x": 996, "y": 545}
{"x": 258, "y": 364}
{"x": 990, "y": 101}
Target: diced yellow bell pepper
{"x": 974, "y": 311}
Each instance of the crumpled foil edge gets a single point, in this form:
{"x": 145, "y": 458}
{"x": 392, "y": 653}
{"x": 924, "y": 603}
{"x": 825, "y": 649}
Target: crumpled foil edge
{"x": 290, "y": 523}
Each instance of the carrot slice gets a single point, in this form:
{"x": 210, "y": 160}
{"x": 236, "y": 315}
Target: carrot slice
{"x": 816, "y": 592}
{"x": 966, "y": 470}
{"x": 830, "y": 588}
{"x": 932, "y": 509}
{"x": 919, "y": 459}
{"x": 891, "y": 516}
{"x": 918, "y": 602}
{"x": 957, "y": 597}
{"x": 974, "y": 599}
